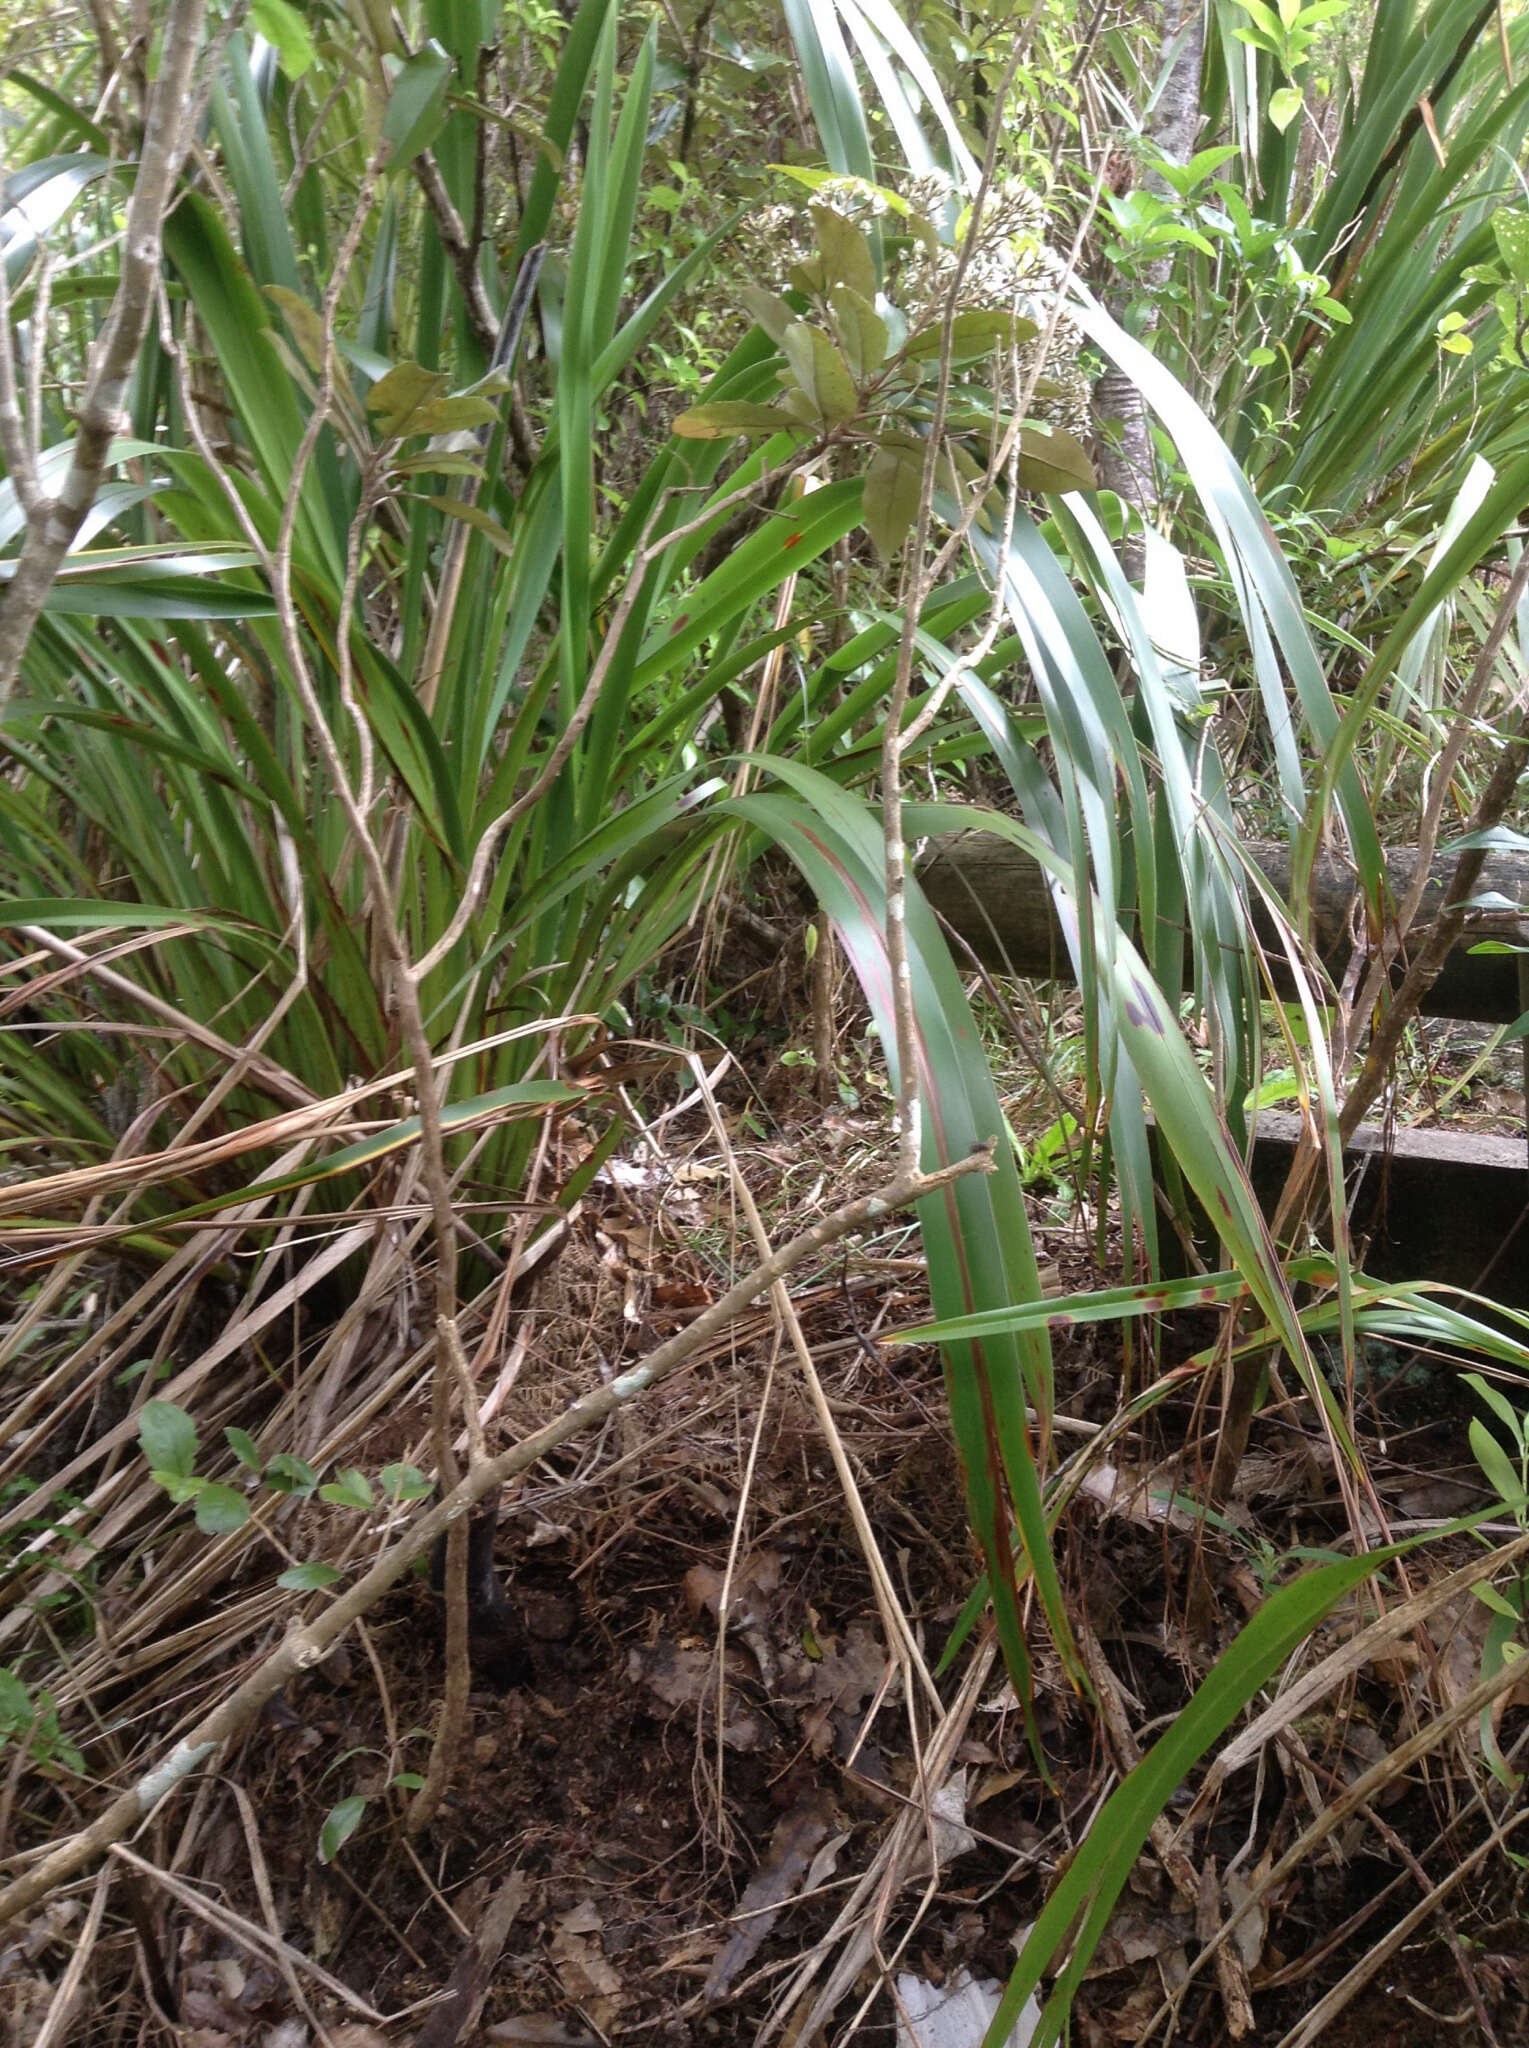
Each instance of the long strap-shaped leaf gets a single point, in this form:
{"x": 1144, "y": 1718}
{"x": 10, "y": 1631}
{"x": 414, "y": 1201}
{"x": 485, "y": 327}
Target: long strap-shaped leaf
{"x": 976, "y": 1234}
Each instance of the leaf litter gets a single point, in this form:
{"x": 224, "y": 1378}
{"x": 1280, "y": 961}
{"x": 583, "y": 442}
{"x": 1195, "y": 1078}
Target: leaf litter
{"x": 709, "y": 1767}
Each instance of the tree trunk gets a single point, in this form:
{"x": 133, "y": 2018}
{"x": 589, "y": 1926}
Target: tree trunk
{"x": 1125, "y": 463}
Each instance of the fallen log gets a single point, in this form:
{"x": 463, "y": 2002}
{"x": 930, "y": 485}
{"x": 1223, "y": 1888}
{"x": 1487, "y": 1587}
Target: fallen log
{"x": 995, "y": 900}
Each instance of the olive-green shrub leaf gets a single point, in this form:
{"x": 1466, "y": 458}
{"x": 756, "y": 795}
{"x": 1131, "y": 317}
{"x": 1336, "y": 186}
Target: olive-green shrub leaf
{"x": 821, "y": 372}
{"x": 725, "y": 417}
{"x": 892, "y": 486}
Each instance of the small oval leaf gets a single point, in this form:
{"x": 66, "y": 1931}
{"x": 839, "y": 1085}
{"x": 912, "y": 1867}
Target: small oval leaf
{"x": 219, "y": 1509}
{"x": 308, "y": 1578}
{"x": 168, "y": 1438}
{"x": 340, "y": 1823}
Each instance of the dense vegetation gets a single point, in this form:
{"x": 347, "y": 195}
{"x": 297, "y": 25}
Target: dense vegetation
{"x": 504, "y": 511}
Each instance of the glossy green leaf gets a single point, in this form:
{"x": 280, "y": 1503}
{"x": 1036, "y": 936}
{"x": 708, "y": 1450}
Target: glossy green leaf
{"x": 340, "y": 1823}
{"x": 416, "y": 110}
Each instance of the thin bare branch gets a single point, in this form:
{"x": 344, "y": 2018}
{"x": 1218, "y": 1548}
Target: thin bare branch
{"x": 54, "y": 524}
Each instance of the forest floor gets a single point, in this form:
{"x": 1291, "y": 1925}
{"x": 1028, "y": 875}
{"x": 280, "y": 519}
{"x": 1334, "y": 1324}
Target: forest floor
{"x": 666, "y": 1829}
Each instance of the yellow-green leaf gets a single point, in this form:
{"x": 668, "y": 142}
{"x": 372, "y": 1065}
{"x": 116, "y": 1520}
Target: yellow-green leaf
{"x": 287, "y": 33}
{"x": 303, "y": 319}
{"x": 972, "y": 334}
{"x": 450, "y": 416}
{"x": 861, "y": 330}
{"x": 820, "y": 372}
{"x": 1284, "y": 105}
{"x": 890, "y": 497}
{"x": 396, "y": 397}
{"x": 846, "y": 253}
{"x": 769, "y": 311}
{"x": 1054, "y": 461}
{"x": 475, "y": 516}
{"x": 726, "y": 417}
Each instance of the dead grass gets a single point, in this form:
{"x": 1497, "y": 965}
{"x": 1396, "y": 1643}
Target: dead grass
{"x": 715, "y": 1799}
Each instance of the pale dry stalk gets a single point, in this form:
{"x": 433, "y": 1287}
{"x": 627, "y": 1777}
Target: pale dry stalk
{"x": 52, "y": 523}
{"x": 307, "y": 1644}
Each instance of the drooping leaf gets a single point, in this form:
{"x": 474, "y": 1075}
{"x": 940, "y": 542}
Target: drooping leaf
{"x": 475, "y": 517}
{"x": 1053, "y": 461}
{"x": 892, "y": 486}
{"x": 972, "y": 335}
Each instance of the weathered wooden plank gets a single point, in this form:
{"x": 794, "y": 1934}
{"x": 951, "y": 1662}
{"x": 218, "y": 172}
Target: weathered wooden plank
{"x": 1434, "y": 1205}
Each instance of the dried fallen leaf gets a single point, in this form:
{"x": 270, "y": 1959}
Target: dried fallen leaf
{"x": 786, "y": 1864}
{"x": 538, "y": 2030}
{"x": 682, "y": 1677}
{"x": 588, "y": 1978}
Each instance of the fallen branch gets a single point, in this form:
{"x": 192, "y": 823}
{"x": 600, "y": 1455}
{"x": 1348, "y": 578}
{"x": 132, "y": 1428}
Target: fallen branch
{"x": 307, "y": 1644}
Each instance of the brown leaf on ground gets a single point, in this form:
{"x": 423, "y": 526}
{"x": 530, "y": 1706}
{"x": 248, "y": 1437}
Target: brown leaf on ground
{"x": 793, "y": 1845}
{"x": 539, "y": 2030}
{"x": 590, "y": 1981}
{"x": 1136, "y": 1937}
{"x": 457, "y": 2014}
{"x": 687, "y": 1677}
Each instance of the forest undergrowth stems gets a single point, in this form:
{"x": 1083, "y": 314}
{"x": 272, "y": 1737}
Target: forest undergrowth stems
{"x": 1430, "y": 950}
{"x": 307, "y": 1644}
